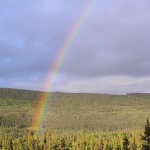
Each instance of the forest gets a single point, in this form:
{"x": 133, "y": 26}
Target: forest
{"x": 75, "y": 121}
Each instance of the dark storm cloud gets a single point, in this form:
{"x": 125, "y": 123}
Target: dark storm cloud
{"x": 114, "y": 41}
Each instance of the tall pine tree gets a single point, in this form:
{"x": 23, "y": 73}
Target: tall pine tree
{"x": 146, "y": 137}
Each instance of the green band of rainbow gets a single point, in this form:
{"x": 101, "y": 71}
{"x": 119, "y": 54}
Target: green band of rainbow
{"x": 45, "y": 97}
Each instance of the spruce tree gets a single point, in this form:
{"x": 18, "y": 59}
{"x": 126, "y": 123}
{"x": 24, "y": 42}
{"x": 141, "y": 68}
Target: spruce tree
{"x": 125, "y": 142}
{"x": 146, "y": 136}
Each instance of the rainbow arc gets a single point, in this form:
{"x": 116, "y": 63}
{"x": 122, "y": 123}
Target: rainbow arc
{"x": 44, "y": 100}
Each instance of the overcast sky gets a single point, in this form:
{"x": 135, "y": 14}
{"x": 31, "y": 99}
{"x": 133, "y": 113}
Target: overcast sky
{"x": 111, "y": 53}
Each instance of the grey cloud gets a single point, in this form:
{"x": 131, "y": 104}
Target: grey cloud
{"x": 114, "y": 40}
{"x": 137, "y": 87}
{"x": 32, "y": 32}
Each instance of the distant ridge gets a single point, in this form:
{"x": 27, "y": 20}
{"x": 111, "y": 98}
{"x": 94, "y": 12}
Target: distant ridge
{"x": 140, "y": 95}
{"x": 6, "y": 93}
{"x": 15, "y": 93}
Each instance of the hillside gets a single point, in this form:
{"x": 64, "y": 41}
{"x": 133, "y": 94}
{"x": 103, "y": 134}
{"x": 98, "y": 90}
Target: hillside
{"x": 140, "y": 95}
{"x": 74, "y": 111}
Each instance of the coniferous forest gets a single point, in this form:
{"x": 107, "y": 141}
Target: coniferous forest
{"x": 75, "y": 121}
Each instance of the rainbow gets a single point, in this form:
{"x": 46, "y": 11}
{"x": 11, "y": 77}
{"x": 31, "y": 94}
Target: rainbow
{"x": 64, "y": 50}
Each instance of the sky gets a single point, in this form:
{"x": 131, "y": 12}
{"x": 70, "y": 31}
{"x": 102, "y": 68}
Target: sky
{"x": 111, "y": 52}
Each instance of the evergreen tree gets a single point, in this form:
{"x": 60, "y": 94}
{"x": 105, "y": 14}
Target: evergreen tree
{"x": 146, "y": 136}
{"x": 125, "y": 142}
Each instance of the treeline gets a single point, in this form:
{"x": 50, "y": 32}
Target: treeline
{"x": 140, "y": 95}
{"x": 7, "y": 93}
{"x": 21, "y": 94}
{"x": 78, "y": 141}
